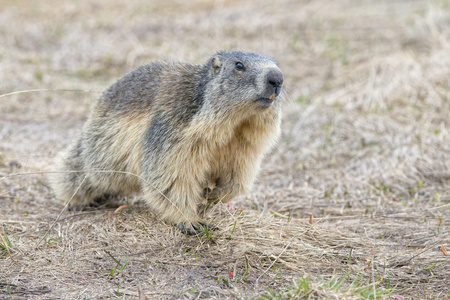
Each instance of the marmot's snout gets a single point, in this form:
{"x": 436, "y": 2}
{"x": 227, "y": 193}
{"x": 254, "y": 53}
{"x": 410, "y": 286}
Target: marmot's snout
{"x": 273, "y": 82}
{"x": 274, "y": 79}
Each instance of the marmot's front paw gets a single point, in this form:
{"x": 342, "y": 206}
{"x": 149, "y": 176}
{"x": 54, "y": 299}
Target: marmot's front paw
{"x": 212, "y": 195}
{"x": 196, "y": 228}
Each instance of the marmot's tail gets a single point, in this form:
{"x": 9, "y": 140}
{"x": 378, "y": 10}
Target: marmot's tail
{"x": 68, "y": 181}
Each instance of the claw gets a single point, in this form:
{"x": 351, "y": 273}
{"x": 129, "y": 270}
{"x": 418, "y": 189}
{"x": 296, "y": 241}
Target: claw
{"x": 196, "y": 228}
{"x": 209, "y": 226}
{"x": 187, "y": 230}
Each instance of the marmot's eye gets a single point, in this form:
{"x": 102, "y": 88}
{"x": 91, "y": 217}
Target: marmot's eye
{"x": 240, "y": 66}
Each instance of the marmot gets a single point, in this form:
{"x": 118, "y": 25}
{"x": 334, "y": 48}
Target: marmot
{"x": 184, "y": 135}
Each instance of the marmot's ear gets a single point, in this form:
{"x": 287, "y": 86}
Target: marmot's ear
{"x": 216, "y": 64}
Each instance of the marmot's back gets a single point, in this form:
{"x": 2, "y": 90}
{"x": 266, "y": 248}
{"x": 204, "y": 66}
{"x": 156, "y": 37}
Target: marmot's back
{"x": 183, "y": 134}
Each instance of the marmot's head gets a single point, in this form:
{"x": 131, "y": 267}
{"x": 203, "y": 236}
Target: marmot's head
{"x": 243, "y": 80}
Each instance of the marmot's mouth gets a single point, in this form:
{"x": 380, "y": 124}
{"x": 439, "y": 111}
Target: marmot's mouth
{"x": 265, "y": 101}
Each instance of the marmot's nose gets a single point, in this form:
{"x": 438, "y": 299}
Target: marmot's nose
{"x": 274, "y": 79}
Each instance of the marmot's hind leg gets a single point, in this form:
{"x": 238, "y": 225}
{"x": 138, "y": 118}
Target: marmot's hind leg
{"x": 73, "y": 186}
{"x": 96, "y": 203}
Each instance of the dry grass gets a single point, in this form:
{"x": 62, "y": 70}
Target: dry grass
{"x": 365, "y": 150}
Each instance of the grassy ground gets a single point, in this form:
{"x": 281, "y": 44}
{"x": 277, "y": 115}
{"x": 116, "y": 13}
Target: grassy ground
{"x": 354, "y": 202}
